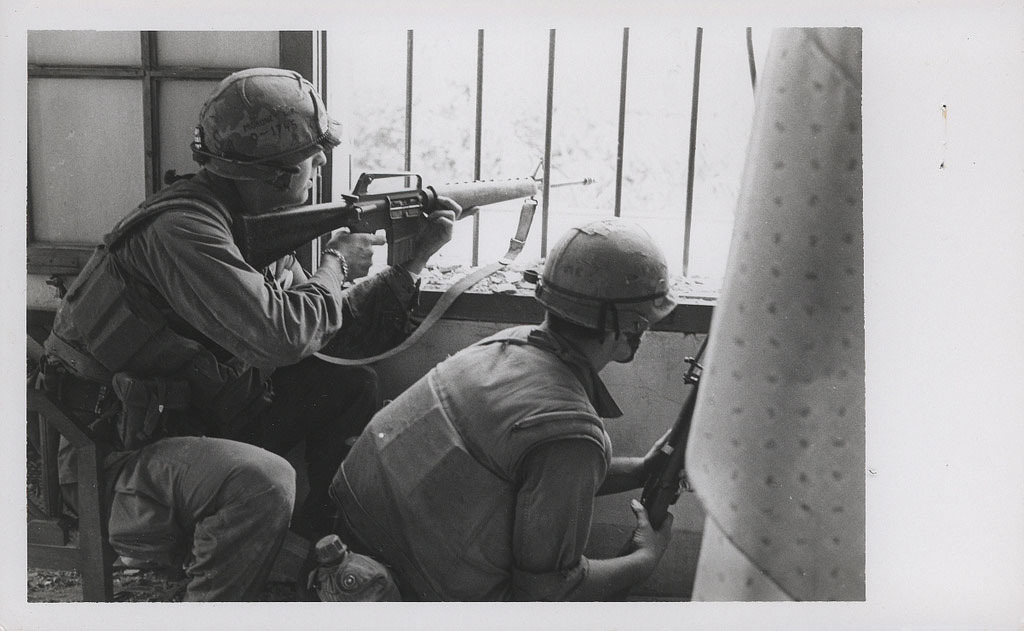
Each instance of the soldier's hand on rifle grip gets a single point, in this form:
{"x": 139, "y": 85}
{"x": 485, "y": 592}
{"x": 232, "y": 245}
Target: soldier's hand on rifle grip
{"x": 436, "y": 232}
{"x": 357, "y": 250}
{"x": 684, "y": 482}
{"x": 645, "y": 538}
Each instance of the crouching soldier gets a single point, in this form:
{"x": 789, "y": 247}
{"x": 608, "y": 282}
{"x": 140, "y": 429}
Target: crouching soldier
{"x": 478, "y": 482}
{"x": 200, "y": 364}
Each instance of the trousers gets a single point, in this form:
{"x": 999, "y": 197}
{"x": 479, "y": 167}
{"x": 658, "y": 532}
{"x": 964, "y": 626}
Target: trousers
{"x": 222, "y": 506}
{"x": 219, "y": 507}
{"x": 327, "y": 406}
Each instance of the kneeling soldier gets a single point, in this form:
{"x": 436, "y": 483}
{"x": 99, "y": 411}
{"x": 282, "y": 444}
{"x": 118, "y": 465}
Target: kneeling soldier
{"x": 478, "y": 482}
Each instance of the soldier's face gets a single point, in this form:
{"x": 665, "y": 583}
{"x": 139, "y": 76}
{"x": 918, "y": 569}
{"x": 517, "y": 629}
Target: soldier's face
{"x": 302, "y": 182}
{"x": 292, "y": 189}
{"x": 627, "y": 345}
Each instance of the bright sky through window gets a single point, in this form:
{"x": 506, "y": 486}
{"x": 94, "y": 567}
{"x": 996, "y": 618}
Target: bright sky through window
{"x": 367, "y": 91}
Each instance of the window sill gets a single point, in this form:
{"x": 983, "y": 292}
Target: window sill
{"x": 505, "y": 297}
{"x": 492, "y": 300}
{"x": 691, "y": 315}
{"x": 58, "y": 259}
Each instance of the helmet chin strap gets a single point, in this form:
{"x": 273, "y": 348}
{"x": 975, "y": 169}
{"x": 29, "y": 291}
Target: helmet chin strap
{"x": 633, "y": 339}
{"x": 273, "y": 172}
{"x": 284, "y": 179}
{"x": 602, "y": 318}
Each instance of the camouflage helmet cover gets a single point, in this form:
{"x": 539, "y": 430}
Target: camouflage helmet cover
{"x": 606, "y": 275}
{"x": 260, "y": 123}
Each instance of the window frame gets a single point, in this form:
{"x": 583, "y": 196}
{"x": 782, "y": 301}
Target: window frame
{"x": 301, "y": 51}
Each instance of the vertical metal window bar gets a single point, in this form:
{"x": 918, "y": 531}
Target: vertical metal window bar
{"x": 622, "y": 122}
{"x": 150, "y": 112}
{"x": 408, "y": 101}
{"x": 693, "y": 150}
{"x": 305, "y": 53}
{"x": 325, "y": 190}
{"x": 479, "y": 136}
{"x": 546, "y": 187}
{"x": 750, "y": 58}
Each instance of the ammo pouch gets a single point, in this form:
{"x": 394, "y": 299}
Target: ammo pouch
{"x": 152, "y": 408}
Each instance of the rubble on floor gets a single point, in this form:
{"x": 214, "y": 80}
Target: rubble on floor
{"x": 515, "y": 280}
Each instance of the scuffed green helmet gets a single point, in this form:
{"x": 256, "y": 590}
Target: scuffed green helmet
{"x": 607, "y": 275}
{"x": 260, "y": 123}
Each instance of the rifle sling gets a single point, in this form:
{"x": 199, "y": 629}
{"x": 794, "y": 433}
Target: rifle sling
{"x": 452, "y": 293}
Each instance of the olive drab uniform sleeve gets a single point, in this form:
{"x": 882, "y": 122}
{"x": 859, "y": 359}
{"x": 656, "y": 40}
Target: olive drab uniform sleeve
{"x": 376, "y": 315}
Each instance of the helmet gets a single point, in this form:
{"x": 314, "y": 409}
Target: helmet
{"x": 260, "y": 123}
{"x": 606, "y": 275}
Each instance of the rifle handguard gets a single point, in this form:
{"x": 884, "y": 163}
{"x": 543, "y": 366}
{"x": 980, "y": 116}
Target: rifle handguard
{"x": 264, "y": 238}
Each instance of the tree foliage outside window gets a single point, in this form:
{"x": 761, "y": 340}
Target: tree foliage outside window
{"x": 367, "y": 90}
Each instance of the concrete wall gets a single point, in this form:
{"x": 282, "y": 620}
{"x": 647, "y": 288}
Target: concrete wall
{"x": 650, "y": 392}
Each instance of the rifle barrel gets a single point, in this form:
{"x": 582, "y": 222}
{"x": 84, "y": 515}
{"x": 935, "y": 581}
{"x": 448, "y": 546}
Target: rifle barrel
{"x": 584, "y": 182}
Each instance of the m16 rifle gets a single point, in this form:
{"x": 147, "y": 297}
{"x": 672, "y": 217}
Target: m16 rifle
{"x": 402, "y": 213}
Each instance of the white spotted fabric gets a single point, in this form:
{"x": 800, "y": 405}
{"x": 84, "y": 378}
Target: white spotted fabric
{"x": 776, "y": 453}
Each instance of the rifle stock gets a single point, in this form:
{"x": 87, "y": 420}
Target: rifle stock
{"x": 662, "y": 487}
{"x": 264, "y": 238}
